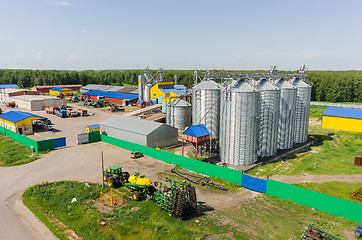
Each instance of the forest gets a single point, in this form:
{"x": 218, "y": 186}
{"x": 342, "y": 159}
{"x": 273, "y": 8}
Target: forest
{"x": 329, "y": 86}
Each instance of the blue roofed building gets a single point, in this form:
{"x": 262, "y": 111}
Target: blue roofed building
{"x": 19, "y": 122}
{"x": 347, "y": 119}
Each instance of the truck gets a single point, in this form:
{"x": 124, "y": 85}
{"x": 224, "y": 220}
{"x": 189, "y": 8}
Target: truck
{"x": 61, "y": 112}
{"x": 50, "y": 110}
{"x": 82, "y": 112}
{"x": 72, "y": 112}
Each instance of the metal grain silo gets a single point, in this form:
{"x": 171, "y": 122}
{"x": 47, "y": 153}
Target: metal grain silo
{"x": 288, "y": 97}
{"x": 204, "y": 96}
{"x": 302, "y": 110}
{"x": 239, "y": 124}
{"x": 269, "y": 98}
{"x": 147, "y": 92}
{"x": 178, "y": 114}
{"x": 141, "y": 83}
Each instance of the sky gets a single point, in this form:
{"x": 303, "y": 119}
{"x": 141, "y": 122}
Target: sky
{"x": 198, "y": 34}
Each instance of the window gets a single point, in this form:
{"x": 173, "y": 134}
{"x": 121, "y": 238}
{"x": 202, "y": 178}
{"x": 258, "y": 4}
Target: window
{"x": 26, "y": 129}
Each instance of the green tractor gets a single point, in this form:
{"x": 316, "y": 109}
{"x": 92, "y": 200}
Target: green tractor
{"x": 114, "y": 177}
{"x": 178, "y": 198}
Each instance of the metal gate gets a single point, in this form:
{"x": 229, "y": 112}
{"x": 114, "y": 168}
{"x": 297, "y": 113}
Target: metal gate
{"x": 255, "y": 184}
{"x": 59, "y": 142}
{"x": 82, "y": 138}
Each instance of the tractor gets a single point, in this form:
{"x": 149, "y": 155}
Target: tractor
{"x": 358, "y": 231}
{"x": 115, "y": 177}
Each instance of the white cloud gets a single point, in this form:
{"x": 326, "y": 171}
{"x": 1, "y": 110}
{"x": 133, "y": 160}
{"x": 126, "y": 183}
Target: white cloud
{"x": 63, "y": 3}
{"x": 73, "y": 57}
{"x": 39, "y": 56}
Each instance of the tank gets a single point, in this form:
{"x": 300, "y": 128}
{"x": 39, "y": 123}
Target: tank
{"x": 147, "y": 92}
{"x": 288, "y": 97}
{"x": 141, "y": 82}
{"x": 302, "y": 110}
{"x": 239, "y": 124}
{"x": 269, "y": 98}
{"x": 179, "y": 114}
{"x": 204, "y": 95}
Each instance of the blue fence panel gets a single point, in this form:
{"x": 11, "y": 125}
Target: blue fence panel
{"x": 59, "y": 142}
{"x": 255, "y": 184}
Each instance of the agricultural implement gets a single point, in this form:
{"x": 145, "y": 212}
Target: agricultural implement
{"x": 197, "y": 178}
{"x": 358, "y": 231}
{"x": 357, "y": 194}
{"x": 140, "y": 186}
{"x": 115, "y": 177}
{"x": 313, "y": 233}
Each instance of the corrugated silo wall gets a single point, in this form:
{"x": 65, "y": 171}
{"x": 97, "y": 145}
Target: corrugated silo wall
{"x": 202, "y": 100}
{"x": 268, "y": 123}
{"x": 302, "y": 114}
{"x": 288, "y": 98}
{"x": 239, "y": 127}
{"x": 182, "y": 116}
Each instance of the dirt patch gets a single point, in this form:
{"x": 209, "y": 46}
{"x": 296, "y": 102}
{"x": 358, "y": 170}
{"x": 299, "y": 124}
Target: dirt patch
{"x": 135, "y": 208}
{"x": 314, "y": 121}
{"x": 228, "y": 235}
{"x": 101, "y": 208}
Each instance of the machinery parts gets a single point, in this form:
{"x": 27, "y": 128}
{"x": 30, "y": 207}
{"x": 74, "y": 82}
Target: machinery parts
{"x": 357, "y": 194}
{"x": 197, "y": 178}
{"x": 115, "y": 177}
{"x": 116, "y": 108}
{"x": 178, "y": 198}
{"x": 313, "y": 233}
{"x": 140, "y": 186}
{"x": 358, "y": 231}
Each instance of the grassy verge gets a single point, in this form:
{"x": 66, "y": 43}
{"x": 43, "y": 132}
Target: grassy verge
{"x": 13, "y": 153}
{"x": 336, "y": 189}
{"x": 253, "y": 218}
{"x": 316, "y": 111}
{"x": 333, "y": 153}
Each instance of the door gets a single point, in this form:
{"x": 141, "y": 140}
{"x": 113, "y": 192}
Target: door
{"x": 20, "y": 130}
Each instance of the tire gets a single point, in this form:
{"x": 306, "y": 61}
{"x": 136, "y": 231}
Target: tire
{"x": 357, "y": 233}
{"x": 125, "y": 177}
{"x": 111, "y": 182}
{"x": 152, "y": 190}
{"x": 136, "y": 196}
{"x": 105, "y": 176}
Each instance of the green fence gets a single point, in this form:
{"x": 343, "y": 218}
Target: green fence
{"x": 94, "y": 136}
{"x": 188, "y": 163}
{"x": 316, "y": 200}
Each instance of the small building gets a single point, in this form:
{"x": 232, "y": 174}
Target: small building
{"x": 6, "y": 86}
{"x": 57, "y": 91}
{"x": 37, "y": 102}
{"x": 166, "y": 90}
{"x": 47, "y": 88}
{"x": 92, "y": 128}
{"x": 142, "y": 132}
{"x": 196, "y": 135}
{"x": 347, "y": 119}
{"x": 113, "y": 97}
{"x": 141, "y": 104}
{"x": 19, "y": 122}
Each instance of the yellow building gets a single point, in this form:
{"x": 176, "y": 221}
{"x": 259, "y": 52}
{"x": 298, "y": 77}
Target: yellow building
{"x": 92, "y": 128}
{"x": 60, "y": 91}
{"x": 19, "y": 122}
{"x": 347, "y": 119}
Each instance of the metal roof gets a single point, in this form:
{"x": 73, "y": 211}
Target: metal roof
{"x": 125, "y": 96}
{"x": 343, "y": 112}
{"x": 16, "y": 116}
{"x": 282, "y": 83}
{"x": 8, "y": 86}
{"x": 207, "y": 85}
{"x": 180, "y": 103}
{"x": 59, "y": 89}
{"x": 114, "y": 88}
{"x": 243, "y": 86}
{"x": 129, "y": 124}
{"x": 264, "y": 84}
{"x": 197, "y": 131}
{"x": 299, "y": 83}
{"x": 179, "y": 87}
{"x": 93, "y": 126}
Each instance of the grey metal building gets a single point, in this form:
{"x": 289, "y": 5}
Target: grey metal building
{"x": 142, "y": 132}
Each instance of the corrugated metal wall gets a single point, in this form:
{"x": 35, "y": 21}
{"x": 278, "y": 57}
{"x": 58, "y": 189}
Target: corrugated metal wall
{"x": 123, "y": 134}
{"x": 164, "y": 136}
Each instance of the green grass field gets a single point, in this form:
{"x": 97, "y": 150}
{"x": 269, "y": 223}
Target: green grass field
{"x": 263, "y": 217}
{"x": 13, "y": 153}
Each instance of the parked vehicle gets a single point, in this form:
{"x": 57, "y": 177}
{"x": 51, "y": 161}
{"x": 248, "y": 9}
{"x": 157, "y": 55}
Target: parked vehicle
{"x": 136, "y": 155}
{"x": 82, "y": 112}
{"x": 115, "y": 177}
{"x": 61, "y": 112}
{"x": 50, "y": 110}
{"x": 10, "y": 104}
{"x": 50, "y": 127}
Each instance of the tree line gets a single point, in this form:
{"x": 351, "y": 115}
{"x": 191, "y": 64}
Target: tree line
{"x": 330, "y": 86}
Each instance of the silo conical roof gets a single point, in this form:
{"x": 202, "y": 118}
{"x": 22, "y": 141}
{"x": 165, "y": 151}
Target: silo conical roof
{"x": 299, "y": 83}
{"x": 283, "y": 84}
{"x": 264, "y": 84}
{"x": 180, "y": 103}
{"x": 243, "y": 86}
{"x": 207, "y": 85}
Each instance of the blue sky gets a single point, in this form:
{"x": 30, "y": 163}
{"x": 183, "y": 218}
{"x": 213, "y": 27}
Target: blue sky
{"x": 242, "y": 35}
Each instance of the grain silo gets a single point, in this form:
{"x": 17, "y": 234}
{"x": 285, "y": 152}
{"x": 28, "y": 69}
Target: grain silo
{"x": 239, "y": 124}
{"x": 269, "y": 98}
{"x": 147, "y": 92}
{"x": 288, "y": 97}
{"x": 204, "y": 96}
{"x": 302, "y": 110}
{"x": 178, "y": 113}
